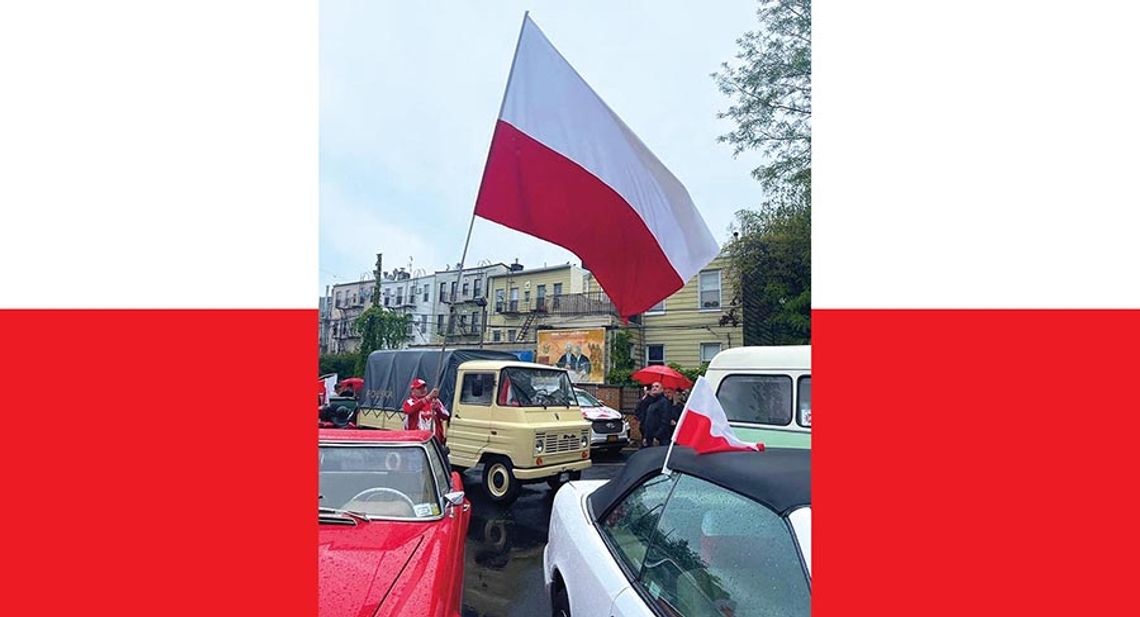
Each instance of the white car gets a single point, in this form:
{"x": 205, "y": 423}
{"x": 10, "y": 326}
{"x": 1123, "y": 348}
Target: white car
{"x": 725, "y": 534}
{"x": 609, "y": 432}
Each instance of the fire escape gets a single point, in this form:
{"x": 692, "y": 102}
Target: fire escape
{"x": 531, "y": 317}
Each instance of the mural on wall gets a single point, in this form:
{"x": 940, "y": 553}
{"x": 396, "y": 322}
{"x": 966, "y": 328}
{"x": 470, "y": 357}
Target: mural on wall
{"x": 582, "y": 352}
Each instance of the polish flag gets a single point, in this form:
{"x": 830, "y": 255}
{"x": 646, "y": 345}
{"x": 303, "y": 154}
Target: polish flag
{"x": 703, "y": 426}
{"x": 564, "y": 167}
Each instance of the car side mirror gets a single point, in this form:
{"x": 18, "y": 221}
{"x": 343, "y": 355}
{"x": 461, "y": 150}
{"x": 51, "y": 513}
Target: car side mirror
{"x": 454, "y": 498}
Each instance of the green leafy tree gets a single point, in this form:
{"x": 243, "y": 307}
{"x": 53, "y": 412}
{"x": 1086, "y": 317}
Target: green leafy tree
{"x": 343, "y": 364}
{"x": 770, "y": 86}
{"x": 690, "y": 373}
{"x": 771, "y": 257}
{"x": 623, "y": 364}
{"x": 380, "y": 328}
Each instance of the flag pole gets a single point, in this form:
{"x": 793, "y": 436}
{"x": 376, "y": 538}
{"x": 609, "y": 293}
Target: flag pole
{"x": 471, "y": 226}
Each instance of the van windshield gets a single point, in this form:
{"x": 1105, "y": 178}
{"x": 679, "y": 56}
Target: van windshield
{"x": 534, "y": 387}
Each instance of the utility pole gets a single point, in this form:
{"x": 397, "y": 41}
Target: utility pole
{"x": 379, "y": 273}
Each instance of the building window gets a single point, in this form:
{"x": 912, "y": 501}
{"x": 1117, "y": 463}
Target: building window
{"x": 709, "y": 351}
{"x": 656, "y": 309}
{"x": 474, "y": 320}
{"x": 496, "y": 335}
{"x": 499, "y": 300}
{"x": 526, "y": 298}
{"x": 654, "y": 354}
{"x": 338, "y": 298}
{"x": 710, "y": 290}
{"x": 466, "y": 289}
{"x": 453, "y": 290}
{"x": 439, "y": 323}
{"x": 423, "y": 324}
{"x": 557, "y": 294}
{"x": 514, "y": 299}
{"x": 426, "y": 292}
{"x": 478, "y": 287}
{"x": 386, "y": 300}
{"x": 510, "y": 335}
{"x": 443, "y": 292}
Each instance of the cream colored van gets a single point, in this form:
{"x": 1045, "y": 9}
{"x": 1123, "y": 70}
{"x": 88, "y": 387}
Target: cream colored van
{"x": 520, "y": 420}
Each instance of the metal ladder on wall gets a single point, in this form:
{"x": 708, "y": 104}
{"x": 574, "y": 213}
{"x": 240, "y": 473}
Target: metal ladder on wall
{"x": 530, "y": 319}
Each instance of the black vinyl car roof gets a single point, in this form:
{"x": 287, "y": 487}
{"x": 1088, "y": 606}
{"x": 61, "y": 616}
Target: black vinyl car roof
{"x": 779, "y": 478}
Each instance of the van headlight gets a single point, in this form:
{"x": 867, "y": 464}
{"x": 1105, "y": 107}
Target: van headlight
{"x": 538, "y": 447}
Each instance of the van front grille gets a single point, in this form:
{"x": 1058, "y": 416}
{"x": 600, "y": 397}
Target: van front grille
{"x": 554, "y": 443}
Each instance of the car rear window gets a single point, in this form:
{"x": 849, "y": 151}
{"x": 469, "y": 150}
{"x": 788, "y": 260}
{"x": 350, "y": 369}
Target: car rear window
{"x": 718, "y": 553}
{"x": 758, "y": 399}
{"x": 629, "y": 526}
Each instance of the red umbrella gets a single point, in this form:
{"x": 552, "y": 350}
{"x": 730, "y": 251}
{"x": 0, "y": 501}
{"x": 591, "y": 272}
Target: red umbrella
{"x": 668, "y": 377}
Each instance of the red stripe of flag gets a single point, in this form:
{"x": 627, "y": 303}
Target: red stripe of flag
{"x": 975, "y": 462}
{"x": 531, "y": 188}
{"x": 159, "y": 462}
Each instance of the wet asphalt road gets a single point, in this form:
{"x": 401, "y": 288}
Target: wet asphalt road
{"x": 503, "y": 569}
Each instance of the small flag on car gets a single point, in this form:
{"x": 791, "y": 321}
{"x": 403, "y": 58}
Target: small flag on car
{"x": 704, "y": 427}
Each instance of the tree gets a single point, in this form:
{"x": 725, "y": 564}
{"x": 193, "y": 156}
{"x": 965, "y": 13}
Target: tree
{"x": 343, "y": 364}
{"x": 622, "y": 359}
{"x": 380, "y": 329}
{"x": 770, "y": 84}
{"x": 770, "y": 255}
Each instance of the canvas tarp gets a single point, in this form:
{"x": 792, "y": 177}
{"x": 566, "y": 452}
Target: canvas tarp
{"x": 389, "y": 374}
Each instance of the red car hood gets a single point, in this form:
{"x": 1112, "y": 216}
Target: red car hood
{"x": 375, "y": 568}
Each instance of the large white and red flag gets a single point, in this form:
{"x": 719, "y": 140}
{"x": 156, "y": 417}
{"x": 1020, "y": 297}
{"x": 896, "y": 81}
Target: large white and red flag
{"x": 565, "y": 168}
{"x": 703, "y": 426}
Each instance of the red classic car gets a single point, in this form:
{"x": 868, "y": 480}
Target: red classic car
{"x": 393, "y": 519}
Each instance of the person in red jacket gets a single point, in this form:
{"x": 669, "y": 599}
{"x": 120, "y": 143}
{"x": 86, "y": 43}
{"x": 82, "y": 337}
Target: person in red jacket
{"x": 424, "y": 410}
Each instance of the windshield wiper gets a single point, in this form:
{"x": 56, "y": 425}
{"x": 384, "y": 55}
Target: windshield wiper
{"x": 356, "y": 517}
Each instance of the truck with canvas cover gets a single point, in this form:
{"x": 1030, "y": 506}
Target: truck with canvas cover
{"x": 520, "y": 420}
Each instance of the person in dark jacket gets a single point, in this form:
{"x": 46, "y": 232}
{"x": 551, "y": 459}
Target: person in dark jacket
{"x": 657, "y": 420}
{"x": 668, "y": 422}
{"x": 641, "y": 413}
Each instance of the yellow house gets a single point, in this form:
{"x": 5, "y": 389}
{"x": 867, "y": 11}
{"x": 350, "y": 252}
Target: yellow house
{"x": 695, "y": 323}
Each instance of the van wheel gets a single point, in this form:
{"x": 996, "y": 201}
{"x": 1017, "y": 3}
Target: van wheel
{"x": 499, "y": 482}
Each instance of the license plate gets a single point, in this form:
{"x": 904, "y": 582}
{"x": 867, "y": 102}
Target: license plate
{"x": 611, "y": 438}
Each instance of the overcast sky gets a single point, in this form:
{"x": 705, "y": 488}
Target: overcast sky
{"x": 410, "y": 92}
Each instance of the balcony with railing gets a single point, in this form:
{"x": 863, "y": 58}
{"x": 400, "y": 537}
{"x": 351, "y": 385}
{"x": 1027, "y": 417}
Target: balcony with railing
{"x": 590, "y": 303}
